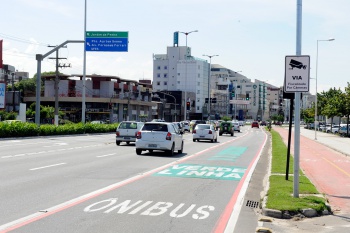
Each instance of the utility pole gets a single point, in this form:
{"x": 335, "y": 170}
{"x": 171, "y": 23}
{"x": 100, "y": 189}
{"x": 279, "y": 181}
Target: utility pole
{"x": 57, "y": 80}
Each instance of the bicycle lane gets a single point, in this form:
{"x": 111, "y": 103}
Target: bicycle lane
{"x": 160, "y": 200}
{"x": 327, "y": 169}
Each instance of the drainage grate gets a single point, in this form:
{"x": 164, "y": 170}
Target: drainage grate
{"x": 252, "y": 204}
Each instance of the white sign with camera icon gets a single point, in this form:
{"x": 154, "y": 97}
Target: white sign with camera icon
{"x": 297, "y": 73}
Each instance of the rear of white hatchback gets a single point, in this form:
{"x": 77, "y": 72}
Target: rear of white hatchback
{"x": 159, "y": 136}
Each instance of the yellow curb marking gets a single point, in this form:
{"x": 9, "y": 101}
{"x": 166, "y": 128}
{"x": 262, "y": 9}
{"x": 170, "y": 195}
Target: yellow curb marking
{"x": 337, "y": 167}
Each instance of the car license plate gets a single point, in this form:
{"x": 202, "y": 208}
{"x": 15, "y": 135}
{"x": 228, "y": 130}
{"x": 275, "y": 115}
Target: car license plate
{"x": 225, "y": 128}
{"x": 126, "y": 137}
{"x": 202, "y": 136}
{"x": 152, "y": 145}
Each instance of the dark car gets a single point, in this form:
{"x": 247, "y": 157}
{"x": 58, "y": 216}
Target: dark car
{"x": 226, "y": 127}
{"x": 263, "y": 123}
{"x": 255, "y": 124}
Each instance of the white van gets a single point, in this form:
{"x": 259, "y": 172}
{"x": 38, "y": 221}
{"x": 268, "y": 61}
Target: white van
{"x": 126, "y": 131}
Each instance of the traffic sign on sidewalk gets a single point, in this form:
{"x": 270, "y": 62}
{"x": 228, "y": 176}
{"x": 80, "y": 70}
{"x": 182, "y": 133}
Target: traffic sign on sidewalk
{"x": 106, "y": 41}
{"x": 297, "y": 74}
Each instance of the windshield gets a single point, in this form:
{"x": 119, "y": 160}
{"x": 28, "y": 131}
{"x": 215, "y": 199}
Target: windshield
{"x": 128, "y": 125}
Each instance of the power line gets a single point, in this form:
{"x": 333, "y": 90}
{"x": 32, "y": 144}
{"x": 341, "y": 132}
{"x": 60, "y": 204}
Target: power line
{"x": 18, "y": 39}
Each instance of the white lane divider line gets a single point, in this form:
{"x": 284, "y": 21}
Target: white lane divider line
{"x": 100, "y": 156}
{"x": 53, "y": 165}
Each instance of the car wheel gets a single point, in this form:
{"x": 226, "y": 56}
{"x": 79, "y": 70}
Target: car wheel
{"x": 171, "y": 151}
{"x": 117, "y": 142}
{"x": 127, "y": 143}
{"x": 138, "y": 151}
{"x": 216, "y": 139}
{"x": 182, "y": 148}
{"x": 194, "y": 140}
{"x": 220, "y": 134}
{"x": 231, "y": 134}
{"x": 212, "y": 140}
{"x": 150, "y": 151}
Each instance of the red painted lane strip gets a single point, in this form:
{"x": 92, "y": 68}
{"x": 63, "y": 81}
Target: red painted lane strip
{"x": 35, "y": 217}
{"x": 224, "y": 218}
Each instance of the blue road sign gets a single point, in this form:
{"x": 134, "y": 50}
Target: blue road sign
{"x": 109, "y": 44}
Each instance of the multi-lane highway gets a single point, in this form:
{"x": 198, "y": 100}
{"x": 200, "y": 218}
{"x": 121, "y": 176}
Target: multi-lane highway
{"x": 88, "y": 184}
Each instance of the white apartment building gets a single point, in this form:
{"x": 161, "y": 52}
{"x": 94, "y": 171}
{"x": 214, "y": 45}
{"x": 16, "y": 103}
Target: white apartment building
{"x": 178, "y": 70}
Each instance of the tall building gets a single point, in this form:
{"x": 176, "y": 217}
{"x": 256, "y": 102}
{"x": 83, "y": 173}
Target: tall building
{"x": 178, "y": 70}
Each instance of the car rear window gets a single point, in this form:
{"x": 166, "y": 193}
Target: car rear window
{"x": 225, "y": 124}
{"x": 128, "y": 125}
{"x": 155, "y": 127}
{"x": 203, "y": 126}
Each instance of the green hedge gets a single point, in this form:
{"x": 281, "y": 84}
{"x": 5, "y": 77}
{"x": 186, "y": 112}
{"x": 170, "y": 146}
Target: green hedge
{"x": 24, "y": 129}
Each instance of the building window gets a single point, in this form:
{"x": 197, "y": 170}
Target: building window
{"x": 158, "y": 83}
{"x": 199, "y": 75}
{"x": 158, "y": 75}
{"x": 198, "y": 83}
{"x": 165, "y": 67}
{"x": 158, "y": 67}
{"x": 198, "y": 91}
{"x": 178, "y": 74}
{"x": 178, "y": 82}
{"x": 165, "y": 83}
{"x": 199, "y": 67}
{"x": 165, "y": 75}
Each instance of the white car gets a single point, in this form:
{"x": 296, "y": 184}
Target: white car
{"x": 205, "y": 132}
{"x": 236, "y": 126}
{"x": 162, "y": 136}
{"x": 186, "y": 126}
{"x": 126, "y": 131}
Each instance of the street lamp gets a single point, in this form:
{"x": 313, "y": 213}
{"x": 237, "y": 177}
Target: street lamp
{"x": 185, "y": 110}
{"x": 331, "y": 39}
{"x": 209, "y": 101}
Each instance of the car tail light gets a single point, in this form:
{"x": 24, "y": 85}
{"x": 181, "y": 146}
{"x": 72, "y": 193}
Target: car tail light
{"x": 210, "y": 132}
{"x": 138, "y": 135}
{"x": 194, "y": 131}
{"x": 117, "y": 133}
{"x": 168, "y": 136}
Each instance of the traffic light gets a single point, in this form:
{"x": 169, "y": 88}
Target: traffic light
{"x": 188, "y": 105}
{"x": 233, "y": 93}
{"x": 247, "y": 96}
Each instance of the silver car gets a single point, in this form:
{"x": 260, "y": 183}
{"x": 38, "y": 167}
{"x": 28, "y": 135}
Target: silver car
{"x": 126, "y": 131}
{"x": 205, "y": 132}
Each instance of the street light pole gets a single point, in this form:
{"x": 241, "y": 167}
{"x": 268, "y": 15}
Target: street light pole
{"x": 315, "y": 121}
{"x": 185, "y": 110}
{"x": 209, "y": 101}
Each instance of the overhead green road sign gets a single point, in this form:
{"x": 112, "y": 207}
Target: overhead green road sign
{"x": 96, "y": 34}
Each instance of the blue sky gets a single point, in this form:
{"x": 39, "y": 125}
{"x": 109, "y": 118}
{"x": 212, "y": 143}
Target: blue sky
{"x": 251, "y": 36}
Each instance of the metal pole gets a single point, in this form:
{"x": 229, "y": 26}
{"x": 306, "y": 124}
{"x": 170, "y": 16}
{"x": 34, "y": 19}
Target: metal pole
{"x": 297, "y": 107}
{"x": 56, "y": 91}
{"x": 83, "y": 105}
{"x": 39, "y": 58}
{"x": 209, "y": 76}
{"x": 185, "y": 105}
{"x": 13, "y": 93}
{"x": 315, "y": 121}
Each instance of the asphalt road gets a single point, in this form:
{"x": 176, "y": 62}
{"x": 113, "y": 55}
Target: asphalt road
{"x": 88, "y": 184}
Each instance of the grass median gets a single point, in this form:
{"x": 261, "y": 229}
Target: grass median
{"x": 280, "y": 193}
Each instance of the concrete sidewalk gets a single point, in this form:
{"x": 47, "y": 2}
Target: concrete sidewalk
{"x": 326, "y": 162}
